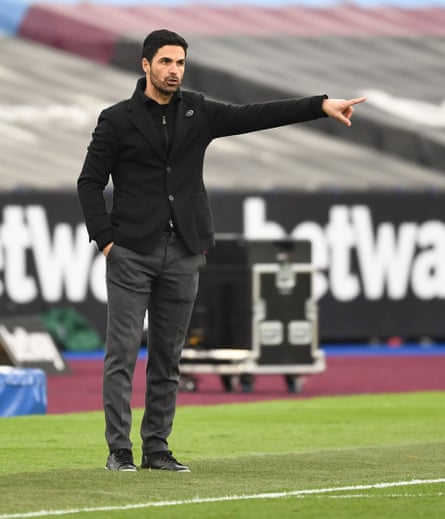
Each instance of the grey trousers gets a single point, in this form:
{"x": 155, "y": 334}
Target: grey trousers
{"x": 166, "y": 283}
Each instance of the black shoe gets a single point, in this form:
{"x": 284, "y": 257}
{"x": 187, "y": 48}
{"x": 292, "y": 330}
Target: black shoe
{"x": 121, "y": 459}
{"x": 162, "y": 460}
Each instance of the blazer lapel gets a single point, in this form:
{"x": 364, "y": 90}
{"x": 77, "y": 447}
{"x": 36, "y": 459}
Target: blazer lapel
{"x": 184, "y": 117}
{"x": 139, "y": 116}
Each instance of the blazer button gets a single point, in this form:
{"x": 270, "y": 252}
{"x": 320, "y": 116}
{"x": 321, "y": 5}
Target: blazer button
{"x": 169, "y": 169}
{"x": 171, "y": 198}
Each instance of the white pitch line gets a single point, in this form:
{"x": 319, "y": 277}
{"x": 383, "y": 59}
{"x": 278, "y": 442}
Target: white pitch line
{"x": 198, "y": 500}
{"x": 374, "y": 496}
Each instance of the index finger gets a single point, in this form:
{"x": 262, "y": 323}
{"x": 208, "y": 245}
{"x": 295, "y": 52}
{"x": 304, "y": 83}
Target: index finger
{"x": 356, "y": 101}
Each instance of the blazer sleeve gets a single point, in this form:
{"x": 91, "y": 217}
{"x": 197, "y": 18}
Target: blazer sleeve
{"x": 99, "y": 163}
{"x": 228, "y": 119}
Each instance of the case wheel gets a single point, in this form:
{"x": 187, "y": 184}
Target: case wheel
{"x": 294, "y": 383}
{"x": 245, "y": 381}
{"x": 188, "y": 384}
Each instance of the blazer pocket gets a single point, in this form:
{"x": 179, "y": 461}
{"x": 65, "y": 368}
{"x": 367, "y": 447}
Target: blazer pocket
{"x": 203, "y": 213}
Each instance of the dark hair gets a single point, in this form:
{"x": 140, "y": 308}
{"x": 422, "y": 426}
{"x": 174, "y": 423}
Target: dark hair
{"x": 157, "y": 39}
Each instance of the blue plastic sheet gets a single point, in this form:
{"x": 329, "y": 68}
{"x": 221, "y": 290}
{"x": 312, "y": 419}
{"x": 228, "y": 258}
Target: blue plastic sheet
{"x": 22, "y": 391}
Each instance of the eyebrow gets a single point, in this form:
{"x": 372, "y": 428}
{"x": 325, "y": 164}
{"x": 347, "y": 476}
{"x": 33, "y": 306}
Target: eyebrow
{"x": 166, "y": 58}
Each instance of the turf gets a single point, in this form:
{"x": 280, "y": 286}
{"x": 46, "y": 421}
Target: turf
{"x": 55, "y": 462}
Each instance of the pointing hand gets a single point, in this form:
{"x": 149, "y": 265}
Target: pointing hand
{"x": 341, "y": 109}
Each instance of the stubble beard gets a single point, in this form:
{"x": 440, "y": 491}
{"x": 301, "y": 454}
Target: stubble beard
{"x": 163, "y": 88}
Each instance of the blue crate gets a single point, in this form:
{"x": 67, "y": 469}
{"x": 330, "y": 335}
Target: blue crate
{"x": 23, "y": 391}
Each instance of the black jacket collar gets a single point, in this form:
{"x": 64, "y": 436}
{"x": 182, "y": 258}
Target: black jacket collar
{"x": 139, "y": 117}
{"x": 140, "y": 92}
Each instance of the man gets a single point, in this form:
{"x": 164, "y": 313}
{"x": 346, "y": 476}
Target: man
{"x": 159, "y": 228}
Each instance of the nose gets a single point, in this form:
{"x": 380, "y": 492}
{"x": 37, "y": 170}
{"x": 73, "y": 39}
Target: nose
{"x": 173, "y": 68}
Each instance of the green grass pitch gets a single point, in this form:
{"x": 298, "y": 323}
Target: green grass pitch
{"x": 370, "y": 456}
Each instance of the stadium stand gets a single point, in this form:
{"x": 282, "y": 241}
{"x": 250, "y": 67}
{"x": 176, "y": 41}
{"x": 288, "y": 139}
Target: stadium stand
{"x": 50, "y": 101}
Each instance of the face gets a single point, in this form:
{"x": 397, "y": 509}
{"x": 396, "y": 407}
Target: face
{"x": 165, "y": 72}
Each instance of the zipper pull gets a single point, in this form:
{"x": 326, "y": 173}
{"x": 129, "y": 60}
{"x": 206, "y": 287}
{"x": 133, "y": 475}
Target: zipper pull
{"x": 164, "y": 120}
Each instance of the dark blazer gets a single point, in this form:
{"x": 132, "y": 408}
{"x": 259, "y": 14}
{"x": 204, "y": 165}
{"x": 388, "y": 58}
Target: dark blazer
{"x": 148, "y": 183}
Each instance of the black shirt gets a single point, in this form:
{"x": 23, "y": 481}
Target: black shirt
{"x": 164, "y": 119}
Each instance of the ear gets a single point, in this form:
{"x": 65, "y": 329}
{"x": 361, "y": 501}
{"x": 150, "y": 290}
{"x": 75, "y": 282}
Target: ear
{"x": 145, "y": 65}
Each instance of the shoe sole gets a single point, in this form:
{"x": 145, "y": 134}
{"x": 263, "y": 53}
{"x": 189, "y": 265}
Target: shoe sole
{"x": 167, "y": 470}
{"x": 121, "y": 470}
